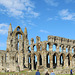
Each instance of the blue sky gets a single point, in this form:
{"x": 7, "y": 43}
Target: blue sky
{"x": 41, "y": 17}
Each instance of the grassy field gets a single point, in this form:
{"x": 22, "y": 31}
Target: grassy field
{"x": 26, "y": 73}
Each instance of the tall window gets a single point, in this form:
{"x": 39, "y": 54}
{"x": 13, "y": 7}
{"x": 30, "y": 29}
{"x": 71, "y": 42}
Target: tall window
{"x": 35, "y": 49}
{"x": 18, "y": 46}
{"x": 54, "y": 47}
{"x": 47, "y": 47}
{"x": 18, "y": 29}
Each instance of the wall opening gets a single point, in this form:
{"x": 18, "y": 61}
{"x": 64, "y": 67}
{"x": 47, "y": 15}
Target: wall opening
{"x": 47, "y": 48}
{"x": 35, "y": 62}
{"x": 40, "y": 60}
{"x": 35, "y": 49}
{"x": 54, "y": 61}
{"x": 54, "y": 47}
{"x": 48, "y": 61}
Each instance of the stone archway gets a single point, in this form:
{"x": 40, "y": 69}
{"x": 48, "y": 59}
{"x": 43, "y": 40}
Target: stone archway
{"x": 48, "y": 61}
{"x": 40, "y": 59}
{"x": 69, "y": 59}
{"x": 62, "y": 59}
{"x": 29, "y": 62}
{"x": 54, "y": 60}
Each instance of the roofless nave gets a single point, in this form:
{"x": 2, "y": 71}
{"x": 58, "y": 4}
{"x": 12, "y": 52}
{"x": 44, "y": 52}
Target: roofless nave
{"x": 20, "y": 55}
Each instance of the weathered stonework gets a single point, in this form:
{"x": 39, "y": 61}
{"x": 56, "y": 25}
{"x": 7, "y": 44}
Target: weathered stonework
{"x": 20, "y": 55}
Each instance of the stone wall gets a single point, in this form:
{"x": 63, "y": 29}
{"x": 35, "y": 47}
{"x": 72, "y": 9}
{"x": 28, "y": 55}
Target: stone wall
{"x": 40, "y": 55}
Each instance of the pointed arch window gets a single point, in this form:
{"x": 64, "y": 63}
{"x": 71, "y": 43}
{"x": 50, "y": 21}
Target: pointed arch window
{"x": 18, "y": 29}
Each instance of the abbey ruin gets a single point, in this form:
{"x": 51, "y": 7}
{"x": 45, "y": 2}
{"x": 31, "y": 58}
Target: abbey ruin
{"x": 20, "y": 55}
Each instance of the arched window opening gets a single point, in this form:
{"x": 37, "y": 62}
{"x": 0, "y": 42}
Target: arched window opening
{"x": 47, "y": 48}
{"x": 40, "y": 60}
{"x": 54, "y": 61}
{"x": 66, "y": 50}
{"x": 35, "y": 61}
{"x": 61, "y": 60}
{"x": 5, "y": 57}
{"x": 68, "y": 59}
{"x": 18, "y": 46}
{"x": 18, "y": 36}
{"x": 21, "y": 36}
{"x": 48, "y": 61}
{"x": 40, "y": 48}
{"x": 13, "y": 61}
{"x": 59, "y": 49}
{"x": 16, "y": 58}
{"x": 54, "y": 47}
{"x": 29, "y": 49}
{"x": 35, "y": 49}
{"x": 62, "y": 49}
{"x": 18, "y": 29}
{"x": 72, "y": 50}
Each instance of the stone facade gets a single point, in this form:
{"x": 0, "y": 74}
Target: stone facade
{"x": 20, "y": 55}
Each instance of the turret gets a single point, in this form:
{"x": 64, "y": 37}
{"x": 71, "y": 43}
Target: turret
{"x": 10, "y": 29}
{"x": 9, "y": 39}
{"x": 25, "y": 32}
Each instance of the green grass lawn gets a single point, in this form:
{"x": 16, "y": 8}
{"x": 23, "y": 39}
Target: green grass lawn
{"x": 27, "y": 73}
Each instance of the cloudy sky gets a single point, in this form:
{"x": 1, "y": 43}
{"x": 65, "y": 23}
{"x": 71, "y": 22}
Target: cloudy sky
{"x": 41, "y": 17}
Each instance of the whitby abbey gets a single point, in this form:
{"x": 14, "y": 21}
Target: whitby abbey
{"x": 20, "y": 55}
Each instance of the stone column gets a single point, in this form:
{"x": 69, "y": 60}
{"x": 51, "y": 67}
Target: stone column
{"x": 37, "y": 61}
{"x": 51, "y": 61}
{"x": 70, "y": 50}
{"x": 45, "y": 60}
{"x": 58, "y": 61}
{"x": 51, "y": 47}
{"x": 32, "y": 62}
{"x": 42, "y": 58}
{"x": 66, "y": 62}
{"x": 26, "y": 60}
{"x": 21, "y": 61}
{"x": 32, "y": 48}
{"x": 71, "y": 64}
{"x": 64, "y": 49}
{"x": 57, "y": 48}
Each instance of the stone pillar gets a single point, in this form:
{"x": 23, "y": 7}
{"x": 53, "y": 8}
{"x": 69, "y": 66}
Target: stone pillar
{"x": 64, "y": 49}
{"x": 58, "y": 61}
{"x": 71, "y": 64}
{"x": 42, "y": 58}
{"x": 32, "y": 48}
{"x": 32, "y": 62}
{"x": 51, "y": 61}
{"x": 51, "y": 47}
{"x": 45, "y": 60}
{"x": 57, "y": 48}
{"x": 70, "y": 50}
{"x": 37, "y": 61}
{"x": 66, "y": 62}
{"x": 26, "y": 60}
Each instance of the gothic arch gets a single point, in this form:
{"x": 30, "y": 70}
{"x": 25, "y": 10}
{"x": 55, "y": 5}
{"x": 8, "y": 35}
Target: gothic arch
{"x": 69, "y": 58}
{"x": 62, "y": 59}
{"x": 55, "y": 56}
{"x": 48, "y": 60}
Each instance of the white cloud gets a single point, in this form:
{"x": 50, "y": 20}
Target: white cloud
{"x": 49, "y": 19}
{"x": 66, "y": 15}
{"x": 18, "y": 8}
{"x": 44, "y": 31}
{"x": 4, "y": 28}
{"x": 52, "y": 2}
